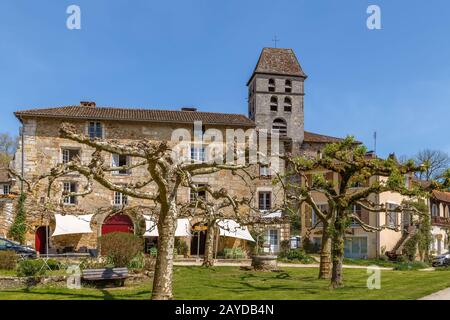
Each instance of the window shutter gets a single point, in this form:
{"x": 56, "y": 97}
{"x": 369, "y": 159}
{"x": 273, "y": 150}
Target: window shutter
{"x": 365, "y": 216}
{"x": 329, "y": 176}
{"x": 115, "y": 162}
{"x": 308, "y": 216}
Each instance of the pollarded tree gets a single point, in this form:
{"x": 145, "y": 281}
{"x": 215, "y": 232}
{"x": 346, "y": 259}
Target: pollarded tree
{"x": 351, "y": 163}
{"x": 223, "y": 204}
{"x": 165, "y": 172}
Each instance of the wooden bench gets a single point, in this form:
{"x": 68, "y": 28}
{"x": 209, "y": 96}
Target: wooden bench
{"x": 105, "y": 274}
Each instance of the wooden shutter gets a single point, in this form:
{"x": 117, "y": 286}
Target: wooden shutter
{"x": 365, "y": 216}
{"x": 308, "y": 216}
{"x": 329, "y": 176}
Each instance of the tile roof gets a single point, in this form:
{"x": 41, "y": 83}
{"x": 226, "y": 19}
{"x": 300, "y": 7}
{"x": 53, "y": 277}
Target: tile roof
{"x": 279, "y": 61}
{"x": 319, "y": 138}
{"x": 441, "y": 196}
{"x": 146, "y": 115}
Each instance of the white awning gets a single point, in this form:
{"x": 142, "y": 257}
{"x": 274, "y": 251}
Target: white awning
{"x": 71, "y": 224}
{"x": 270, "y": 215}
{"x": 230, "y": 228}
{"x": 183, "y": 228}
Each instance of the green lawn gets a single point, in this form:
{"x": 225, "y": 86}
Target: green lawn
{"x": 232, "y": 283}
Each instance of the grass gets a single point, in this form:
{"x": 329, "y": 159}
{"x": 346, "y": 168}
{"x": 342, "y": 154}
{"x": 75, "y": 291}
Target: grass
{"x": 232, "y": 283}
{"x": 370, "y": 262}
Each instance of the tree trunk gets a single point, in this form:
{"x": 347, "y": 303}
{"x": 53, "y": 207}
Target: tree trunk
{"x": 162, "y": 281}
{"x": 338, "y": 254}
{"x": 208, "y": 258}
{"x": 325, "y": 255}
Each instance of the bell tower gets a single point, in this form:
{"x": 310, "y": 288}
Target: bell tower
{"x": 276, "y": 94}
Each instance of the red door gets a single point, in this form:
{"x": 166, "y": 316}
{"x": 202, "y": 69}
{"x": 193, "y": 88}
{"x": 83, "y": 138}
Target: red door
{"x": 40, "y": 239}
{"x": 118, "y": 223}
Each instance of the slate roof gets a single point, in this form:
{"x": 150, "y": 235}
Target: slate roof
{"x": 129, "y": 114}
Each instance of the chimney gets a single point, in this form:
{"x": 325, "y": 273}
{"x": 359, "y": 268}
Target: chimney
{"x": 87, "y": 104}
{"x": 191, "y": 109}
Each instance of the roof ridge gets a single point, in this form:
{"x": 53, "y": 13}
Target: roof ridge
{"x": 130, "y": 108}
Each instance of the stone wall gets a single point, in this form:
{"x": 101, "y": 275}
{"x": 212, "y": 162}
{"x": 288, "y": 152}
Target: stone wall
{"x": 43, "y": 145}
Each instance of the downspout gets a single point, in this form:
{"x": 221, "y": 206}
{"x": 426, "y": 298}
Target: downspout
{"x": 23, "y": 156}
{"x": 378, "y": 246}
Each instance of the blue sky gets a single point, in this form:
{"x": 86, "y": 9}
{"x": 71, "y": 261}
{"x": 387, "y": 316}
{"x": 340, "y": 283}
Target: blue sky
{"x": 169, "y": 54}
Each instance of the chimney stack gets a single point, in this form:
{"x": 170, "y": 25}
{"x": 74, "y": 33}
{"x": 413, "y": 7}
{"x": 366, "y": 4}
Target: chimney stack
{"x": 87, "y": 104}
{"x": 191, "y": 109}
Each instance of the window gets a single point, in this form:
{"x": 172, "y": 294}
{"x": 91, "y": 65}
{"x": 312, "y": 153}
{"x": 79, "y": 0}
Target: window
{"x": 288, "y": 86}
{"x": 119, "y": 160}
{"x": 315, "y": 218}
{"x": 6, "y": 189}
{"x": 279, "y": 126}
{"x": 70, "y": 187}
{"x": 264, "y": 171}
{"x": 265, "y": 201}
{"x": 199, "y": 195}
{"x": 69, "y": 154}
{"x": 287, "y": 104}
{"x": 355, "y": 247}
{"x": 356, "y": 210}
{"x": 95, "y": 130}
{"x": 120, "y": 199}
{"x": 198, "y": 154}
{"x": 273, "y": 237}
{"x": 273, "y": 103}
{"x": 271, "y": 85}
{"x": 434, "y": 210}
{"x": 391, "y": 216}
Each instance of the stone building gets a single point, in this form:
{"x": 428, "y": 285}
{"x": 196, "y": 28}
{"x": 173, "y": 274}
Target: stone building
{"x": 7, "y": 201}
{"x": 276, "y": 104}
{"x": 439, "y": 205}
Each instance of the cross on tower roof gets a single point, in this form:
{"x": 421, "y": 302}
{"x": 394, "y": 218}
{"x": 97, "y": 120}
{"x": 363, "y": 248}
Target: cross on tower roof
{"x": 275, "y": 40}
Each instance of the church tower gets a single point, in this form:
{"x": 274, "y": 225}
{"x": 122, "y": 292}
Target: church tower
{"x": 276, "y": 92}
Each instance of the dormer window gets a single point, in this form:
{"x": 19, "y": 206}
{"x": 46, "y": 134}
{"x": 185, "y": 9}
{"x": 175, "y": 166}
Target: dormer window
{"x": 273, "y": 103}
{"x": 279, "y": 126}
{"x": 288, "y": 86}
{"x": 271, "y": 85}
{"x": 287, "y": 104}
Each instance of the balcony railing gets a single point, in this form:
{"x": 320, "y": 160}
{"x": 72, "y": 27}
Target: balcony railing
{"x": 441, "y": 221}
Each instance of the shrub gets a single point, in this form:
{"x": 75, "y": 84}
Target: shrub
{"x": 8, "y": 260}
{"x": 137, "y": 262}
{"x": 31, "y": 268}
{"x": 181, "y": 247}
{"x": 408, "y": 266}
{"x": 18, "y": 228}
{"x": 93, "y": 263}
{"x": 285, "y": 245}
{"x": 120, "y": 247}
{"x": 298, "y": 255}
{"x": 310, "y": 246}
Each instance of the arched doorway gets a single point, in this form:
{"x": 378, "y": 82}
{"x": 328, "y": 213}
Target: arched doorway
{"x": 41, "y": 239}
{"x": 198, "y": 239}
{"x": 118, "y": 223}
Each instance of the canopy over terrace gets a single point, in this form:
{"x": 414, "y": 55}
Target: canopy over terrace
{"x": 72, "y": 224}
{"x": 230, "y": 228}
{"x": 183, "y": 228}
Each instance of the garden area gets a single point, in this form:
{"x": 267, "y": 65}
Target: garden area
{"x": 233, "y": 283}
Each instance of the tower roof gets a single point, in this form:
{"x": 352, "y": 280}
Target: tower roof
{"x": 278, "y": 61}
